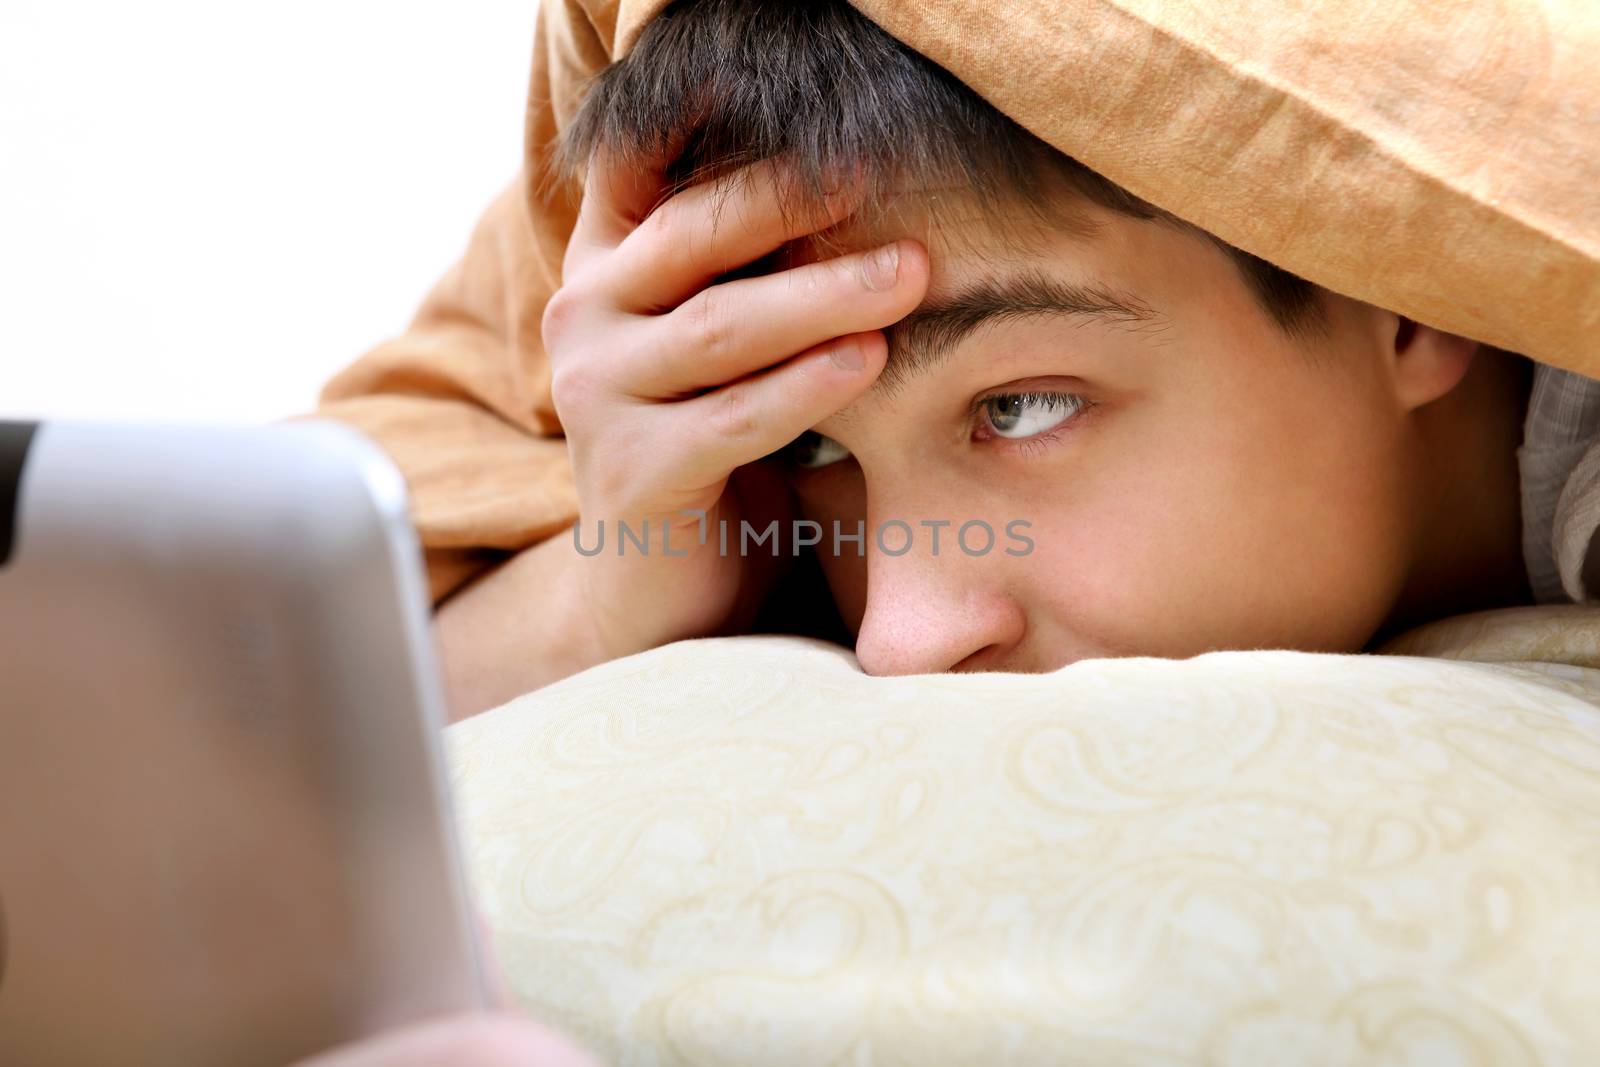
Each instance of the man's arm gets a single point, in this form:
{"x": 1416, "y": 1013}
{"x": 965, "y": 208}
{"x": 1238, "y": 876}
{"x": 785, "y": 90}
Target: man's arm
{"x": 515, "y": 629}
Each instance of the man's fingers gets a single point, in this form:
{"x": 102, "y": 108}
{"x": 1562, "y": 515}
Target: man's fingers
{"x": 617, "y": 196}
{"x": 736, "y": 328}
{"x": 715, "y": 227}
{"x": 751, "y": 418}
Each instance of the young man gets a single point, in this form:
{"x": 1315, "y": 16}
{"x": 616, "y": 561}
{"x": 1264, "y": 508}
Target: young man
{"x": 814, "y": 276}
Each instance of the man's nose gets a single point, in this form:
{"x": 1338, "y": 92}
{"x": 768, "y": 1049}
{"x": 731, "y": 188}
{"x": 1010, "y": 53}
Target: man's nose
{"x": 927, "y": 614}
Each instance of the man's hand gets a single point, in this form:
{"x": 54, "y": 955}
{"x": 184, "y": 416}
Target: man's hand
{"x": 672, "y": 382}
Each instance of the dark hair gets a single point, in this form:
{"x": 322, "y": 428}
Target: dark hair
{"x": 714, "y": 85}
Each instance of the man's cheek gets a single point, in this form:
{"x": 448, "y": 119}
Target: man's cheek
{"x": 1118, "y": 587}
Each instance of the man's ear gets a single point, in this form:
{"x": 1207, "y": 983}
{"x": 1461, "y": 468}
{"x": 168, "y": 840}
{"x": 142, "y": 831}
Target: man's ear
{"x": 1427, "y": 363}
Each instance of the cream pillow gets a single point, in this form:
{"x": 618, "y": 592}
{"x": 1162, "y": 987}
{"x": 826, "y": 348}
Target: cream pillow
{"x": 745, "y": 851}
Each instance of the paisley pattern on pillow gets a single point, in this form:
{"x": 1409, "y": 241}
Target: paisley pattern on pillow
{"x": 745, "y": 851}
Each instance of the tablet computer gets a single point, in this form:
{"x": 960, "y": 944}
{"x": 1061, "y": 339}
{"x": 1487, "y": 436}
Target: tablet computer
{"x": 225, "y": 833}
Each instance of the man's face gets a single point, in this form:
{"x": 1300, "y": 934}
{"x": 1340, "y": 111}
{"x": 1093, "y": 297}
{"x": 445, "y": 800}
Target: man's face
{"x": 1189, "y": 476}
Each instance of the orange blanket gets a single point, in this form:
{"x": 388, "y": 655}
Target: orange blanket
{"x": 1440, "y": 158}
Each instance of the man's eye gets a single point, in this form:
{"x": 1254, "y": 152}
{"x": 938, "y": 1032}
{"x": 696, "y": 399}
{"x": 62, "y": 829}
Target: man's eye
{"x": 1017, "y": 415}
{"x": 811, "y": 450}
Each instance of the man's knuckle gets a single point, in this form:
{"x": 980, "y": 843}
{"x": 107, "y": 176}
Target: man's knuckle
{"x": 658, "y": 228}
{"x": 573, "y": 387}
{"x": 560, "y": 314}
{"x": 710, "y": 324}
{"x": 734, "y": 414}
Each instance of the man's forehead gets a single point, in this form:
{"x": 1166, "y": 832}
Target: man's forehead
{"x": 990, "y": 263}
{"x": 956, "y": 227}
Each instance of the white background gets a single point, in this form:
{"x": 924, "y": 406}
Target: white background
{"x": 206, "y": 209}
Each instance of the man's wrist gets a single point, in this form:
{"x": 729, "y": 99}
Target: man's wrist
{"x": 522, "y": 626}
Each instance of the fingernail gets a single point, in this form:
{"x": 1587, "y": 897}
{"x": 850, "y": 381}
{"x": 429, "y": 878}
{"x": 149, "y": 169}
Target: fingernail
{"x": 882, "y": 268}
{"x": 847, "y": 355}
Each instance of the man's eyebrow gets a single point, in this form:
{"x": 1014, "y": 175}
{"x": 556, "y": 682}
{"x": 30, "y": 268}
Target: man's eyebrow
{"x": 926, "y": 337}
